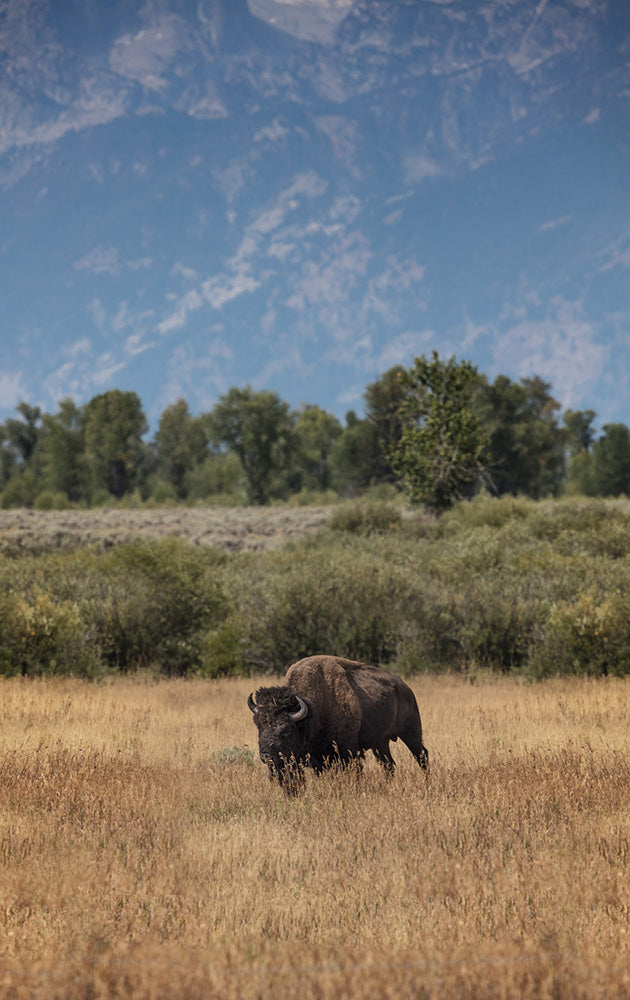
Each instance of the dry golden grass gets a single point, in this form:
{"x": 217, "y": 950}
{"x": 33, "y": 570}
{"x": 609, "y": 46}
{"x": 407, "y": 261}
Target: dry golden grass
{"x": 144, "y": 853}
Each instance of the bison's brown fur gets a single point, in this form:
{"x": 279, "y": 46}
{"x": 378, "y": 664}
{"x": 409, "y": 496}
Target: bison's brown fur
{"x": 331, "y": 709}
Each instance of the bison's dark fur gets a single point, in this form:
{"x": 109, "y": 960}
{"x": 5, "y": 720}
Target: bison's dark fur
{"x": 330, "y": 709}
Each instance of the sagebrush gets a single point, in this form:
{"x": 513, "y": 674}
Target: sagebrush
{"x": 512, "y": 584}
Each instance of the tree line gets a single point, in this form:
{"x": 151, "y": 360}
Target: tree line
{"x": 439, "y": 429}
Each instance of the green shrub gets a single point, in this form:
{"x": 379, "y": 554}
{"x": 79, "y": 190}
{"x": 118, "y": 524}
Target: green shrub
{"x": 219, "y": 479}
{"x": 130, "y": 501}
{"x": 20, "y": 490}
{"x": 232, "y": 755}
{"x": 429, "y": 636}
{"x": 222, "y": 650}
{"x": 312, "y": 498}
{"x": 160, "y": 491}
{"x": 589, "y": 635}
{"x": 332, "y": 599}
{"x": 501, "y": 584}
{"x": 40, "y": 636}
{"x": 484, "y": 621}
{"x": 495, "y": 623}
{"x": 144, "y": 604}
{"x": 100, "y": 497}
{"x": 152, "y": 603}
{"x": 416, "y": 603}
{"x": 484, "y": 511}
{"x": 552, "y": 520}
{"x": 366, "y": 518}
{"x": 51, "y": 500}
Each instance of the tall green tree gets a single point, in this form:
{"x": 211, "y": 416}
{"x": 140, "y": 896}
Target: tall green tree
{"x": 62, "y": 452}
{"x": 526, "y": 450}
{"x": 19, "y": 467}
{"x": 258, "y": 428}
{"x": 440, "y": 453}
{"x": 581, "y": 477}
{"x": 114, "y": 426}
{"x": 383, "y": 401}
{"x": 611, "y": 461}
{"x": 352, "y": 457}
{"x": 362, "y": 454}
{"x": 580, "y": 433}
{"x": 220, "y": 474}
{"x": 180, "y": 445}
{"x": 580, "y": 437}
{"x": 22, "y": 435}
{"x": 316, "y": 433}
{"x": 7, "y": 457}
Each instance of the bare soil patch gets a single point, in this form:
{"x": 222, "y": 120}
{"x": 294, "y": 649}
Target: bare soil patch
{"x": 233, "y": 529}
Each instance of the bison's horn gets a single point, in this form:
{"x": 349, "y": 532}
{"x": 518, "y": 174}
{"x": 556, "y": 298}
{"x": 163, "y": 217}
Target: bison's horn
{"x": 251, "y": 704}
{"x": 301, "y": 713}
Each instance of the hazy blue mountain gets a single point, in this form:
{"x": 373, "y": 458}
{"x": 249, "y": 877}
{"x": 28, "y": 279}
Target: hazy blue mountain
{"x": 298, "y": 194}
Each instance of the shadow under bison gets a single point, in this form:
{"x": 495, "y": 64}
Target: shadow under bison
{"x": 331, "y": 710}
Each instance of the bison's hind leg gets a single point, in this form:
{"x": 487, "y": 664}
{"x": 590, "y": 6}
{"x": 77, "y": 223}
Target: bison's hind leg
{"x": 417, "y": 747}
{"x": 384, "y": 757}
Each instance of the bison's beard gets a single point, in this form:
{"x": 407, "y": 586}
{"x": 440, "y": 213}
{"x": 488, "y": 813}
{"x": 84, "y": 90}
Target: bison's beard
{"x": 286, "y": 743}
{"x": 289, "y": 773}
{"x": 286, "y": 760}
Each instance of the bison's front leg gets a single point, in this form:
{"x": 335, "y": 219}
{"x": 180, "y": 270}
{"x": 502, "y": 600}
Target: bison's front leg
{"x": 290, "y": 775}
{"x": 351, "y": 761}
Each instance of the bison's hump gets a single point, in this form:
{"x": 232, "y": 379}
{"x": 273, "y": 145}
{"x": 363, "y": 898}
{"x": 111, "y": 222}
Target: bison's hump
{"x": 325, "y": 682}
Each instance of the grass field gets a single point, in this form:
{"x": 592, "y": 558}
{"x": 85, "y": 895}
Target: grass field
{"x": 144, "y": 853}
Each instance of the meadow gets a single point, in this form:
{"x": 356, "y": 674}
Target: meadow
{"x": 144, "y": 852}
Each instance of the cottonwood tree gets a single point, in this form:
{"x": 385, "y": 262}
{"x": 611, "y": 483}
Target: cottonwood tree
{"x": 441, "y": 450}
{"x": 22, "y": 435}
{"x": 180, "y": 445}
{"x": 526, "y": 444}
{"x": 19, "y": 467}
{"x": 316, "y": 432}
{"x": 257, "y": 427}
{"x": 352, "y": 457}
{"x": 580, "y": 438}
{"x": 579, "y": 430}
{"x": 362, "y": 453}
{"x": 114, "y": 426}
{"x": 383, "y": 400}
{"x": 63, "y": 451}
{"x": 611, "y": 461}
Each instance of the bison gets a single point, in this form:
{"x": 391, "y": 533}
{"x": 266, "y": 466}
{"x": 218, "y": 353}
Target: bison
{"x": 332, "y": 710}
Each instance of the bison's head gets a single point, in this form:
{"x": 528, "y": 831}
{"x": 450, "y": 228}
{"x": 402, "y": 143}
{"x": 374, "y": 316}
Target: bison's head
{"x": 283, "y": 722}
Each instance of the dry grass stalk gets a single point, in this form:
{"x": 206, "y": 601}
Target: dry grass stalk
{"x": 144, "y": 853}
